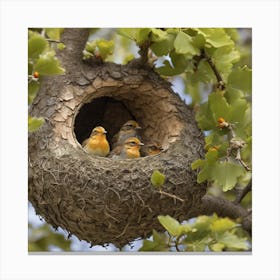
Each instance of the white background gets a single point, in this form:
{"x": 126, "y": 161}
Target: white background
{"x": 17, "y": 16}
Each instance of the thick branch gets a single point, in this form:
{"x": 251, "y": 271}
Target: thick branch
{"x": 75, "y": 40}
{"x": 224, "y": 208}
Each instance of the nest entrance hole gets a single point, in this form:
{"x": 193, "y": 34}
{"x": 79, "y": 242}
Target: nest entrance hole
{"x": 159, "y": 124}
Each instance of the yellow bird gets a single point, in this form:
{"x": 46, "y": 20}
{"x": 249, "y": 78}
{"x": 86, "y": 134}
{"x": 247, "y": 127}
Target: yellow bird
{"x": 97, "y": 143}
{"x": 129, "y": 129}
{"x": 129, "y": 150}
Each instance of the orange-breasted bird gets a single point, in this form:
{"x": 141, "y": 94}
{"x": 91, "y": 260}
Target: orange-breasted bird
{"x": 153, "y": 149}
{"x": 97, "y": 143}
{"x": 129, "y": 150}
{"x": 129, "y": 129}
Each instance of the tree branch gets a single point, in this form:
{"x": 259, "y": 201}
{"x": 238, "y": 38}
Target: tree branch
{"x": 224, "y": 208}
{"x": 241, "y": 193}
{"x": 143, "y": 59}
{"x": 74, "y": 40}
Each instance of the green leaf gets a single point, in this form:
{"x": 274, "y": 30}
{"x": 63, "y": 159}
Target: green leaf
{"x": 159, "y": 242}
{"x": 48, "y": 64}
{"x": 127, "y": 32}
{"x": 217, "y": 37}
{"x": 237, "y": 112}
{"x": 204, "y": 73}
{"x": 36, "y": 45}
{"x": 219, "y": 106}
{"x": 222, "y": 225}
{"x": 157, "y": 178}
{"x": 33, "y": 88}
{"x": 183, "y": 44}
{"x": 217, "y": 247}
{"x": 139, "y": 35}
{"x": 171, "y": 225}
{"x": 152, "y": 246}
{"x": 203, "y": 222}
{"x": 142, "y": 35}
{"x": 226, "y": 174}
{"x": 158, "y": 35}
{"x": 197, "y": 246}
{"x": 204, "y": 174}
{"x": 241, "y": 79}
{"x": 160, "y": 238}
{"x": 105, "y": 47}
{"x": 163, "y": 47}
{"x": 179, "y": 65}
{"x": 211, "y": 156}
{"x": 197, "y": 163}
{"x": 233, "y": 33}
{"x": 60, "y": 46}
{"x": 207, "y": 166}
{"x": 232, "y": 242}
{"x": 54, "y": 33}
{"x": 199, "y": 41}
{"x": 34, "y": 123}
{"x": 223, "y": 58}
{"x": 205, "y": 118}
{"x": 90, "y": 46}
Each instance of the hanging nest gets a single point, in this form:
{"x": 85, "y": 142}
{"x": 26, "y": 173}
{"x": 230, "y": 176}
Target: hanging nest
{"x": 103, "y": 200}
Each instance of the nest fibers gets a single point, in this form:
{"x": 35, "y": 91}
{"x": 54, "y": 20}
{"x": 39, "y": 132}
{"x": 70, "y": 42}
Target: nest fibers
{"x": 102, "y": 200}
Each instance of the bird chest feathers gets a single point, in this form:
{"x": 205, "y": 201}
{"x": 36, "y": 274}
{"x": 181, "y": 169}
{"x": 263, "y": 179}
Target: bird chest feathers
{"x": 98, "y": 145}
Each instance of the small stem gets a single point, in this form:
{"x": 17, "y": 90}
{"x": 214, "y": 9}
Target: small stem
{"x": 53, "y": 41}
{"x": 237, "y": 148}
{"x": 240, "y": 195}
{"x": 221, "y": 83}
{"x": 177, "y": 245}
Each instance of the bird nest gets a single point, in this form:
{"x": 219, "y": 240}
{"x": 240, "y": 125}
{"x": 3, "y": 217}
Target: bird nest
{"x": 102, "y": 200}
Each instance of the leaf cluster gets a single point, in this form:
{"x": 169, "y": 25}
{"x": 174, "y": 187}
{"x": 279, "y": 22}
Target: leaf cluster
{"x": 42, "y": 238}
{"x": 206, "y": 233}
{"x": 100, "y": 48}
{"x": 41, "y": 62}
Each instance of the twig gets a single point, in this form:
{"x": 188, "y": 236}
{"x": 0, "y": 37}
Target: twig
{"x": 221, "y": 83}
{"x": 143, "y": 59}
{"x": 53, "y": 41}
{"x": 171, "y": 195}
{"x": 238, "y": 158}
{"x": 177, "y": 244}
{"x": 242, "y": 193}
{"x": 237, "y": 145}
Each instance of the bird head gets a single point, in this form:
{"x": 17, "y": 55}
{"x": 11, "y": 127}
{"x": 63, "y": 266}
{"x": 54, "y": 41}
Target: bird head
{"x": 133, "y": 142}
{"x": 131, "y": 125}
{"x": 131, "y": 148}
{"x": 154, "y": 148}
{"x": 98, "y": 130}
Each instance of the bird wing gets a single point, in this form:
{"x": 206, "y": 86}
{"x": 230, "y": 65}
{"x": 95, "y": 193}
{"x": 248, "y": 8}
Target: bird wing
{"x": 115, "y": 140}
{"x": 115, "y": 152}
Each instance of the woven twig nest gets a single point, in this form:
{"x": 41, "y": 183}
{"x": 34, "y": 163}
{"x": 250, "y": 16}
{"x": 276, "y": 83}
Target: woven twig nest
{"x": 103, "y": 200}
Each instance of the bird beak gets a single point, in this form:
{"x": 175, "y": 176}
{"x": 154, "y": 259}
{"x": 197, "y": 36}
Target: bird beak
{"x": 138, "y": 127}
{"x": 105, "y": 132}
{"x": 141, "y": 144}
